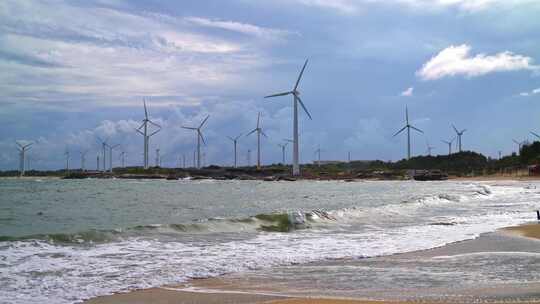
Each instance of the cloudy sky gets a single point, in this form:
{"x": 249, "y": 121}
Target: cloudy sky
{"x": 71, "y": 71}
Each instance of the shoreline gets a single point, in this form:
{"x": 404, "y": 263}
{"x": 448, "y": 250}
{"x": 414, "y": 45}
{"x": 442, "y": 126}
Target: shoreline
{"x": 225, "y": 290}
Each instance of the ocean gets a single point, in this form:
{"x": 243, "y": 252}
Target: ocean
{"x": 63, "y": 241}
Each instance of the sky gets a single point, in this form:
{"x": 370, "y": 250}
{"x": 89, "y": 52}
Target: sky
{"x": 73, "y": 71}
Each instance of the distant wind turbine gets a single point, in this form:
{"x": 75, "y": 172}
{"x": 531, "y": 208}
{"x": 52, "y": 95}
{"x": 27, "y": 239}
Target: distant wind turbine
{"x": 283, "y": 148}
{"x": 459, "y": 134}
{"x": 199, "y": 138}
{"x": 408, "y": 126}
{"x": 296, "y": 100}
{"x": 520, "y": 145}
{"x": 22, "y": 153}
{"x": 122, "y": 157}
{"x": 111, "y": 148}
{"x": 259, "y": 131}
{"x": 83, "y": 160}
{"x": 318, "y": 152}
{"x": 235, "y": 142}
{"x": 449, "y": 143}
{"x": 104, "y": 146}
{"x": 67, "y": 161}
{"x": 429, "y": 148}
{"x": 144, "y": 133}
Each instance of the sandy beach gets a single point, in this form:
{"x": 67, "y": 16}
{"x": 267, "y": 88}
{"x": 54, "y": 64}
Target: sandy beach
{"x": 245, "y": 289}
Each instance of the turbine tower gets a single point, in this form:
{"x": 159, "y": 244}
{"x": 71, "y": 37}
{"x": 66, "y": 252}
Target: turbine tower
{"x": 459, "y": 134}
{"x": 122, "y": 157}
{"x": 144, "y": 127}
{"x": 259, "y": 131}
{"x": 283, "y": 148}
{"x": 449, "y": 143}
{"x": 83, "y": 160}
{"x": 67, "y": 161}
{"x": 22, "y": 153}
{"x": 408, "y": 126}
{"x": 111, "y": 148}
{"x": 104, "y": 146}
{"x": 296, "y": 100}
{"x": 235, "y": 141}
{"x": 318, "y": 152}
{"x": 199, "y": 138}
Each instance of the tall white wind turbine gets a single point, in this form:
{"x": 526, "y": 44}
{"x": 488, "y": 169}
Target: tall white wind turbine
{"x": 520, "y": 145}
{"x": 429, "y": 148}
{"x": 104, "y": 147}
{"x": 296, "y": 100}
{"x": 408, "y": 126}
{"x": 22, "y": 154}
{"x": 459, "y": 134}
{"x": 67, "y": 154}
{"x": 83, "y": 160}
{"x": 318, "y": 152}
{"x": 144, "y": 131}
{"x": 259, "y": 131}
{"x": 235, "y": 142}
{"x": 199, "y": 138}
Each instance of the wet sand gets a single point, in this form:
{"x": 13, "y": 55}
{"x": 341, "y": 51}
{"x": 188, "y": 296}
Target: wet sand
{"x": 241, "y": 288}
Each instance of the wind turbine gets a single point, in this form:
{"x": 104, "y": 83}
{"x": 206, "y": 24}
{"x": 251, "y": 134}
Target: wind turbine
{"x": 158, "y": 159}
{"x": 535, "y": 134}
{"x": 104, "y": 146}
{"x": 22, "y": 153}
{"x": 520, "y": 145}
{"x": 122, "y": 157}
{"x": 67, "y": 161}
{"x": 449, "y": 143}
{"x": 283, "y": 148}
{"x": 144, "y": 133}
{"x": 83, "y": 160}
{"x": 110, "y": 156}
{"x": 459, "y": 134}
{"x": 296, "y": 100}
{"x": 318, "y": 152}
{"x": 235, "y": 141}
{"x": 429, "y": 148}
{"x": 259, "y": 131}
{"x": 199, "y": 138}
{"x": 408, "y": 126}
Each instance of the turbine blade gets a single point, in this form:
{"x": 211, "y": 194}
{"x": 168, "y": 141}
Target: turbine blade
{"x": 155, "y": 132}
{"x": 189, "y": 128}
{"x": 463, "y": 131}
{"x": 145, "y": 110}
{"x": 202, "y": 123}
{"x": 455, "y": 129}
{"x": 406, "y": 114}
{"x": 303, "y": 106}
{"x": 254, "y": 130}
{"x": 202, "y": 137}
{"x": 264, "y": 134}
{"x": 232, "y": 139}
{"x": 414, "y": 128}
{"x": 300, "y": 76}
{"x": 139, "y": 131}
{"x": 535, "y": 134}
{"x": 399, "y": 131}
{"x": 155, "y": 124}
{"x": 278, "y": 94}
{"x": 237, "y": 137}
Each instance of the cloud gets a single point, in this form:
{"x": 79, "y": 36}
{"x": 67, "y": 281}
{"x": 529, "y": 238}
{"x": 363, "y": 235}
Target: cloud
{"x": 244, "y": 28}
{"x": 354, "y": 6}
{"x": 107, "y": 55}
{"x": 533, "y": 92}
{"x": 408, "y": 92}
{"x": 456, "y": 60}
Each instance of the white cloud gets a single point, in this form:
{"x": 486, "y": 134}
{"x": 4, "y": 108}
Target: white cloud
{"x": 244, "y": 28}
{"x": 408, "y": 92}
{"x": 456, "y": 60}
{"x": 353, "y": 6}
{"x": 533, "y": 92}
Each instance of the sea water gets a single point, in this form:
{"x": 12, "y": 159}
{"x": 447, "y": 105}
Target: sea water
{"x": 63, "y": 241}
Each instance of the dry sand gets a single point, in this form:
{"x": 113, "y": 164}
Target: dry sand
{"x": 529, "y": 230}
